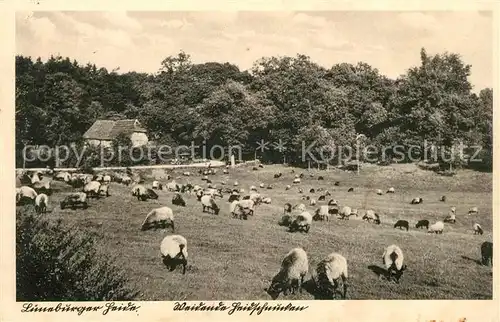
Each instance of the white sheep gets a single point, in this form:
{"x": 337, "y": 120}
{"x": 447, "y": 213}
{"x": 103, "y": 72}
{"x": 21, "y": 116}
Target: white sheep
{"x": 186, "y": 173}
{"x": 473, "y": 210}
{"x": 262, "y": 185}
{"x": 300, "y": 207}
{"x": 478, "y": 230}
{"x": 294, "y": 268}
{"x": 253, "y": 188}
{"x": 391, "y": 190}
{"x": 155, "y": 185}
{"x": 256, "y": 197}
{"x": 159, "y": 218}
{"x": 172, "y": 186}
{"x": 74, "y": 199}
{"x": 106, "y": 178}
{"x": 322, "y": 213}
{"x": 91, "y": 189}
{"x": 301, "y": 222}
{"x": 245, "y": 208}
{"x": 393, "y": 261}
{"x": 379, "y": 192}
{"x": 288, "y": 187}
{"x": 312, "y": 202}
{"x": 451, "y": 218}
{"x": 436, "y": 228}
{"x": 209, "y": 204}
{"x": 63, "y": 176}
{"x": 104, "y": 190}
{"x": 296, "y": 180}
{"x": 41, "y": 203}
{"x": 27, "y": 192}
{"x": 235, "y": 183}
{"x": 266, "y": 200}
{"x": 346, "y": 212}
{"x": 328, "y": 273}
{"x": 232, "y": 208}
{"x": 371, "y": 215}
{"x": 174, "y": 252}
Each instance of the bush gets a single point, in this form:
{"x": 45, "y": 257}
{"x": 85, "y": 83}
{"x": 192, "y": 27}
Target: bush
{"x": 58, "y": 264}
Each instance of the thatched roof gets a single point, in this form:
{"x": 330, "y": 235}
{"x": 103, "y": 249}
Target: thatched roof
{"x": 109, "y": 130}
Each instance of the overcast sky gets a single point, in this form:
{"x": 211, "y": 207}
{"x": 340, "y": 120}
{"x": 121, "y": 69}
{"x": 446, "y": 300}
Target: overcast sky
{"x": 139, "y": 41}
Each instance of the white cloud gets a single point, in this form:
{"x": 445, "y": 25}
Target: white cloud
{"x": 309, "y": 21}
{"x": 122, "y": 20}
{"x": 419, "y": 20}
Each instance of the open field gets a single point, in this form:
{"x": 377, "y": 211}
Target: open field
{"x": 234, "y": 259}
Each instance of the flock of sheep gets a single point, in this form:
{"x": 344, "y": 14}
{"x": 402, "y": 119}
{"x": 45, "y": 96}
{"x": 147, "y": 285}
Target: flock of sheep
{"x": 242, "y": 205}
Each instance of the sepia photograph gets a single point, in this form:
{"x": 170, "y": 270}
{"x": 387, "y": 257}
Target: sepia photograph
{"x": 253, "y": 156}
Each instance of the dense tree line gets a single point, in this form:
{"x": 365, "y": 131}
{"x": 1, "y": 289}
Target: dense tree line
{"x": 280, "y": 98}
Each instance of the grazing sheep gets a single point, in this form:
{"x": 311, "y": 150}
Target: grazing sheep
{"x": 253, "y": 188}
{"x": 312, "y": 202}
{"x": 311, "y": 190}
{"x": 261, "y": 166}
{"x": 286, "y": 220}
{"x": 186, "y": 173}
{"x": 277, "y": 175}
{"x": 350, "y": 190}
{"x": 126, "y": 180}
{"x": 294, "y": 268}
{"x": 106, "y": 179}
{"x": 300, "y": 207}
{"x": 63, "y": 176}
{"x": 287, "y": 208}
{"x": 213, "y": 192}
{"x": 296, "y": 180}
{"x": 402, "y": 224}
{"x": 26, "y": 194}
{"x": 91, "y": 189}
{"x": 346, "y": 212}
{"x": 322, "y": 198}
{"x": 255, "y": 169}
{"x": 266, "y": 200}
{"x": 333, "y": 202}
{"x": 473, "y": 210}
{"x": 159, "y": 218}
{"x": 379, "y": 192}
{"x": 390, "y": 190}
{"x": 178, "y": 200}
{"x": 245, "y": 208}
{"x": 487, "y": 254}
{"x": 451, "y": 218}
{"x": 300, "y": 190}
{"x": 302, "y": 222}
{"x": 371, "y": 215}
{"x": 269, "y": 187}
{"x": 416, "y": 201}
{"x": 301, "y": 175}
{"x": 172, "y": 186}
{"x": 42, "y": 187}
{"x": 104, "y": 190}
{"x": 235, "y": 183}
{"x": 436, "y": 228}
{"x": 143, "y": 193}
{"x": 75, "y": 199}
{"x": 288, "y": 187}
{"x": 232, "y": 208}
{"x": 322, "y": 213}
{"x": 205, "y": 178}
{"x": 262, "y": 185}
{"x": 443, "y": 198}
{"x": 321, "y": 178}
{"x": 393, "y": 261}
{"x": 174, "y": 252}
{"x": 337, "y": 183}
{"x": 328, "y": 272}
{"x": 257, "y": 199}
{"x": 209, "y": 204}
{"x": 478, "y": 230}
{"x": 225, "y": 171}
{"x": 41, "y": 203}
{"x": 424, "y": 223}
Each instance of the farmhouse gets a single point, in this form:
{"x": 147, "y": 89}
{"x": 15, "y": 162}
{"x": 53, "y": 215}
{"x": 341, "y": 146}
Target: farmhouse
{"x": 103, "y": 132}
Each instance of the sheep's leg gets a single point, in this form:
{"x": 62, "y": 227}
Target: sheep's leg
{"x": 301, "y": 283}
{"x": 344, "y": 284}
{"x": 173, "y": 226}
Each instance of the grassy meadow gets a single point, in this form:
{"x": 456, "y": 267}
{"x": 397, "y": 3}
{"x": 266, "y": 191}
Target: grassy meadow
{"x": 235, "y": 259}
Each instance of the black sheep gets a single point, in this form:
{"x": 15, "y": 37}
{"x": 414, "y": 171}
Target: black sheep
{"x": 350, "y": 190}
{"x": 402, "y": 224}
{"x": 487, "y": 253}
{"x": 178, "y": 200}
{"x": 424, "y": 223}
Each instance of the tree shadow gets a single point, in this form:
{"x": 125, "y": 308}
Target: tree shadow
{"x": 478, "y": 262}
{"x": 310, "y": 287}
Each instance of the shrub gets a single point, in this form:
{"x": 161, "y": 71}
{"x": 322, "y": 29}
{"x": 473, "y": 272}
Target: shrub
{"x": 58, "y": 264}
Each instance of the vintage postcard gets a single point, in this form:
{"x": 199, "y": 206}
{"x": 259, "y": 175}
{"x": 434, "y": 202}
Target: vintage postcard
{"x": 214, "y": 160}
